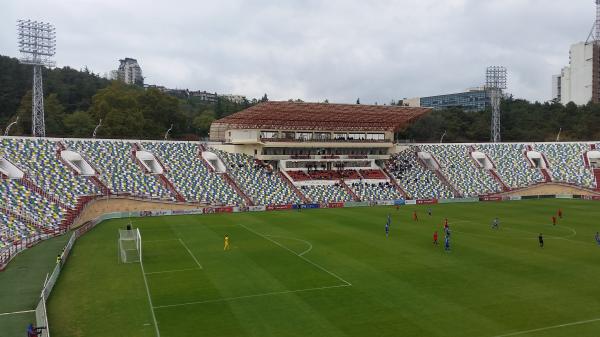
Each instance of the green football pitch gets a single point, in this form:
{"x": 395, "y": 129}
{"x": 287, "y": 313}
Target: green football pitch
{"x": 333, "y": 272}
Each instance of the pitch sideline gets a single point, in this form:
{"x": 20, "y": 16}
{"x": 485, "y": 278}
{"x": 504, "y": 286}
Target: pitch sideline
{"x": 550, "y": 327}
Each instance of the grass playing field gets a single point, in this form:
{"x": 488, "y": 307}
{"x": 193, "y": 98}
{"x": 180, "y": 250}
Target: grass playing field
{"x": 21, "y": 283}
{"x": 332, "y": 272}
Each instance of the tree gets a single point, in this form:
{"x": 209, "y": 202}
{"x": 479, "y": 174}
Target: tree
{"x": 203, "y": 121}
{"x": 79, "y": 124}
{"x": 24, "y": 114}
{"x": 117, "y": 105}
{"x": 54, "y": 113}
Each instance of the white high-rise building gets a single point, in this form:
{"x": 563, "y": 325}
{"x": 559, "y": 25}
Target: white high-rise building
{"x": 579, "y": 82}
{"x": 130, "y": 72}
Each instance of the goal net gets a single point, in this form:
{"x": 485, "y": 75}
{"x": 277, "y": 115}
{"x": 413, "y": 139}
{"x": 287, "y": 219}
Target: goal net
{"x": 130, "y": 245}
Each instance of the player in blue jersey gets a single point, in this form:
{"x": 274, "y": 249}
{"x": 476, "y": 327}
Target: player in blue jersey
{"x": 387, "y": 226}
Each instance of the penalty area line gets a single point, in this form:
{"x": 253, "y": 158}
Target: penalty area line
{"x": 16, "y": 312}
{"x": 171, "y": 271}
{"x": 300, "y": 256}
{"x": 227, "y": 299}
{"x": 191, "y": 254}
{"x": 549, "y": 327}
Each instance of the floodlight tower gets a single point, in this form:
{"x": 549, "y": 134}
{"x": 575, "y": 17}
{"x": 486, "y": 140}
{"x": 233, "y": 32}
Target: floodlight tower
{"x": 37, "y": 44}
{"x": 594, "y": 36}
{"x": 495, "y": 83}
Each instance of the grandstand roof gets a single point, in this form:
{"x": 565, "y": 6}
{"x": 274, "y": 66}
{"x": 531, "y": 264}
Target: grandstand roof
{"x": 323, "y": 116}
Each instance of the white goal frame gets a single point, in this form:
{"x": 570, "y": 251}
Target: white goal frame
{"x": 130, "y": 241}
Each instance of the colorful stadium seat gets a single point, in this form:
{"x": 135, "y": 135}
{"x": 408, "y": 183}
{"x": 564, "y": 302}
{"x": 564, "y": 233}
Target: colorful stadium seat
{"x": 416, "y": 180}
{"x": 189, "y": 174}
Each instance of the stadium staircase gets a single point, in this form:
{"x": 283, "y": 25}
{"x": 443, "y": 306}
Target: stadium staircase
{"x": 169, "y": 185}
{"x": 167, "y": 182}
{"x": 94, "y": 179}
{"x": 29, "y": 184}
{"x": 491, "y": 171}
{"x": 595, "y": 171}
{"x": 586, "y": 161}
{"x": 202, "y": 148}
{"x": 440, "y": 175}
{"x": 496, "y": 177}
{"x": 545, "y": 173}
{"x": 161, "y": 177}
{"x": 237, "y": 189}
{"x": 25, "y": 219}
{"x": 294, "y": 188}
{"x": 597, "y": 177}
{"x": 349, "y": 190}
{"x": 135, "y": 148}
{"x": 82, "y": 201}
{"x": 395, "y": 183}
{"x": 101, "y": 185}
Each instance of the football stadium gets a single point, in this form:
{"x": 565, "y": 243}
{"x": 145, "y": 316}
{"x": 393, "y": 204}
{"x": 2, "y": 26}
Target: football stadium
{"x": 300, "y": 219}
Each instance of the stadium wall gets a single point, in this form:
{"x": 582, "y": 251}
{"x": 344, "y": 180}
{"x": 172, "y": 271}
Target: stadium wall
{"x": 550, "y": 189}
{"x": 102, "y": 206}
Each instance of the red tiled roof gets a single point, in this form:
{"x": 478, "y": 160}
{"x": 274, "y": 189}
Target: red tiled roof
{"x": 323, "y": 116}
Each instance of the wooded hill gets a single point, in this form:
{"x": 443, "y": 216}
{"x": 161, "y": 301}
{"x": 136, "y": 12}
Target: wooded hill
{"x": 77, "y": 99}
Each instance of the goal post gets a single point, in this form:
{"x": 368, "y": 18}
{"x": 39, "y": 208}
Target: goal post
{"x": 130, "y": 245}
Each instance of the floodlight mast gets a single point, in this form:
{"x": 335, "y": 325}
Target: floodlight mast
{"x": 494, "y": 85}
{"x": 594, "y": 36}
{"x": 37, "y": 44}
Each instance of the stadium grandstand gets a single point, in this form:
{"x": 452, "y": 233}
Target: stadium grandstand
{"x": 273, "y": 155}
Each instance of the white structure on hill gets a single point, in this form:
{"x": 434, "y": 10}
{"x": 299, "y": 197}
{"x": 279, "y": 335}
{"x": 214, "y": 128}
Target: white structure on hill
{"x": 130, "y": 72}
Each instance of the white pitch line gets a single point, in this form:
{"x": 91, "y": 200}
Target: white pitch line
{"x": 300, "y": 256}
{"x": 163, "y": 240}
{"x": 310, "y": 247}
{"x": 150, "y": 300}
{"x": 550, "y": 327}
{"x": 16, "y": 312}
{"x": 226, "y": 299}
{"x": 191, "y": 254}
{"x": 171, "y": 271}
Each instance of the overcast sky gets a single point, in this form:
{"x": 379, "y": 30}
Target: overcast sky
{"x": 335, "y": 49}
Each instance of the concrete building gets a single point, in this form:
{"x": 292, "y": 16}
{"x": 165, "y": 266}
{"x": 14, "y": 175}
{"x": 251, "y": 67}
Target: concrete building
{"x": 130, "y": 72}
{"x": 204, "y": 96}
{"x": 239, "y": 99}
{"x": 475, "y": 99}
{"x": 579, "y": 82}
{"x": 556, "y": 87}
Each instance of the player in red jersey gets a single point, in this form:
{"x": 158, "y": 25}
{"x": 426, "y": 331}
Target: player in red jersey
{"x": 435, "y": 238}
{"x": 560, "y": 213}
{"x": 553, "y": 220}
{"x": 415, "y": 217}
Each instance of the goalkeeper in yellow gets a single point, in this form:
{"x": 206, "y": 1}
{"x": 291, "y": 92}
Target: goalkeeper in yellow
{"x": 226, "y": 245}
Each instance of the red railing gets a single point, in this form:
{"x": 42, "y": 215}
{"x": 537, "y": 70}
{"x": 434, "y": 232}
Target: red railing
{"x": 239, "y": 191}
{"x": 395, "y": 183}
{"x": 171, "y": 187}
{"x": 294, "y": 188}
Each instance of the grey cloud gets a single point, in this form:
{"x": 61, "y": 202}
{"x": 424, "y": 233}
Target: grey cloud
{"x": 340, "y": 50}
